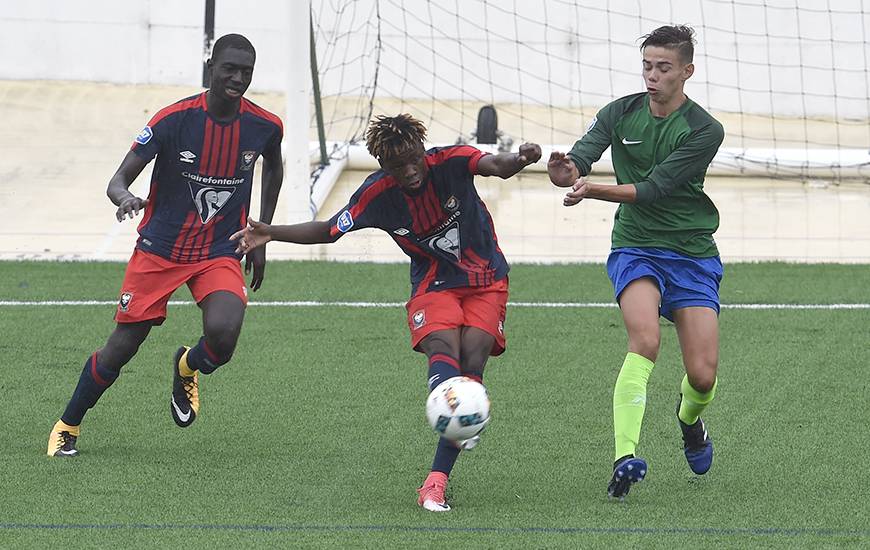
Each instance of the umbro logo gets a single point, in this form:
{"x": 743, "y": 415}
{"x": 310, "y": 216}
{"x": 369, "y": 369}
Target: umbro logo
{"x": 626, "y": 141}
{"x": 186, "y": 156}
{"x": 401, "y": 231}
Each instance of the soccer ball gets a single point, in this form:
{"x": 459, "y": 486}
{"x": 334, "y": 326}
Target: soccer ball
{"x": 458, "y": 408}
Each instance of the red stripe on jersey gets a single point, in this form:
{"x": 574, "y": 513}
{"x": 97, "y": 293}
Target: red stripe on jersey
{"x": 433, "y": 264}
{"x": 442, "y": 155}
{"x": 243, "y": 220}
{"x": 232, "y": 152}
{"x": 209, "y": 239}
{"x": 149, "y": 208}
{"x": 183, "y": 105}
{"x": 430, "y": 203}
{"x": 416, "y": 218}
{"x": 478, "y": 265}
{"x": 253, "y": 108}
{"x": 182, "y": 237}
{"x": 427, "y": 280}
{"x": 491, "y": 226}
{"x": 215, "y": 150}
{"x": 367, "y": 197}
{"x": 195, "y": 246}
{"x": 221, "y": 169}
{"x": 206, "y": 147}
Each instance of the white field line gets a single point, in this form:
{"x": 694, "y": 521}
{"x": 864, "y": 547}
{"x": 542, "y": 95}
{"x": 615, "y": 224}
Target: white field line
{"x": 550, "y": 305}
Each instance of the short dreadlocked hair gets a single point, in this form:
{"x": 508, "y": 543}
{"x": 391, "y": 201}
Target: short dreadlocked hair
{"x": 392, "y": 136}
{"x": 680, "y": 38}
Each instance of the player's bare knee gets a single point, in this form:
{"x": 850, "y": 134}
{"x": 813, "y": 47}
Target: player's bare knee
{"x": 645, "y": 344}
{"x": 702, "y": 380}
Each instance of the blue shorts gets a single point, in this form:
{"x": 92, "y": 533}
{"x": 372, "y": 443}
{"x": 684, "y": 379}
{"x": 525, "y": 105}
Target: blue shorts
{"x": 683, "y": 281}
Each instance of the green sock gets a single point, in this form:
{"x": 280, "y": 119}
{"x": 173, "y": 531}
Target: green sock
{"x": 694, "y": 402}
{"x": 629, "y": 402}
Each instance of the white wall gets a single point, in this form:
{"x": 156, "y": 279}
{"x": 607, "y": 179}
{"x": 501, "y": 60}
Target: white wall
{"x": 138, "y": 42}
{"x": 549, "y": 52}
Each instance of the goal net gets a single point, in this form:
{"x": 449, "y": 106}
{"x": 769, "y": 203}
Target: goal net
{"x": 787, "y": 78}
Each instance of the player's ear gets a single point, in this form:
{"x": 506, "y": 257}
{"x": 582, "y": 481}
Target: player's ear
{"x": 688, "y": 71}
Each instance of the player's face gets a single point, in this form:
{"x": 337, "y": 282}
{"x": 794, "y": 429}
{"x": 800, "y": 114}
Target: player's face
{"x": 231, "y": 73}
{"x": 408, "y": 169}
{"x": 664, "y": 73}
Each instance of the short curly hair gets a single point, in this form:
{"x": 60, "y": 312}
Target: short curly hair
{"x": 391, "y": 136}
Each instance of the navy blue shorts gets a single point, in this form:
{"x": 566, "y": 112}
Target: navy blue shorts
{"x": 684, "y": 281}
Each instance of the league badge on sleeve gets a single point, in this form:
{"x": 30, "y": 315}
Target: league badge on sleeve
{"x": 591, "y": 124}
{"x": 144, "y": 136}
{"x": 345, "y": 221}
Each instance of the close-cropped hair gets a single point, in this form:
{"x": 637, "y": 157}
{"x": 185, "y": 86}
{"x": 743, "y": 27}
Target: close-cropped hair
{"x": 673, "y": 37}
{"x": 236, "y": 41}
{"x": 391, "y": 136}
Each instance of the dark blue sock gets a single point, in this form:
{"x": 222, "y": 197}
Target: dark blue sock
{"x": 202, "y": 358}
{"x": 441, "y": 367}
{"x": 445, "y": 456}
{"x": 93, "y": 381}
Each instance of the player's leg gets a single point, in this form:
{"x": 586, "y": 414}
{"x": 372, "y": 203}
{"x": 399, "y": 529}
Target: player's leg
{"x": 219, "y": 290}
{"x": 692, "y": 302}
{"x": 639, "y": 303}
{"x": 442, "y": 347}
{"x": 148, "y": 283}
{"x": 483, "y": 334}
{"x": 434, "y": 320}
{"x": 698, "y": 331}
{"x": 100, "y": 371}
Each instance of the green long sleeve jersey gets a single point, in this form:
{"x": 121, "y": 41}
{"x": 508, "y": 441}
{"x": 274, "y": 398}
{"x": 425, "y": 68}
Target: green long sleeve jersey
{"x": 666, "y": 159}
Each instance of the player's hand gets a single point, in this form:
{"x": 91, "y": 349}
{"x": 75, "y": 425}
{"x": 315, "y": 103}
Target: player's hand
{"x": 130, "y": 207}
{"x": 577, "y": 193}
{"x": 256, "y": 258}
{"x": 529, "y": 153}
{"x": 254, "y": 235}
{"x": 561, "y": 169}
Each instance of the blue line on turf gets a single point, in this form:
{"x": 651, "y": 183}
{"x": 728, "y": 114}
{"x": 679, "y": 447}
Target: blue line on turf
{"x": 720, "y": 531}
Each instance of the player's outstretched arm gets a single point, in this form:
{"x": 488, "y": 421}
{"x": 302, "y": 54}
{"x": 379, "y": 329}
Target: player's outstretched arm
{"x": 505, "y": 165}
{"x": 118, "y": 190}
{"x": 259, "y": 233}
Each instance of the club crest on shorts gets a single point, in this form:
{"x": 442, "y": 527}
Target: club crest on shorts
{"x": 124, "y": 302}
{"x": 451, "y": 204}
{"x": 248, "y": 158}
{"x": 144, "y": 136}
{"x": 419, "y": 318}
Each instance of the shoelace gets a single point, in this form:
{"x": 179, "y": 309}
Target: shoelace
{"x": 67, "y": 440}
{"x": 694, "y": 437}
{"x": 436, "y": 489}
{"x": 188, "y": 383}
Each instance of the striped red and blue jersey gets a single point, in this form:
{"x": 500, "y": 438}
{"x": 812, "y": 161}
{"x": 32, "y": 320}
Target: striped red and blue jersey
{"x": 201, "y": 183}
{"x": 445, "y": 229}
